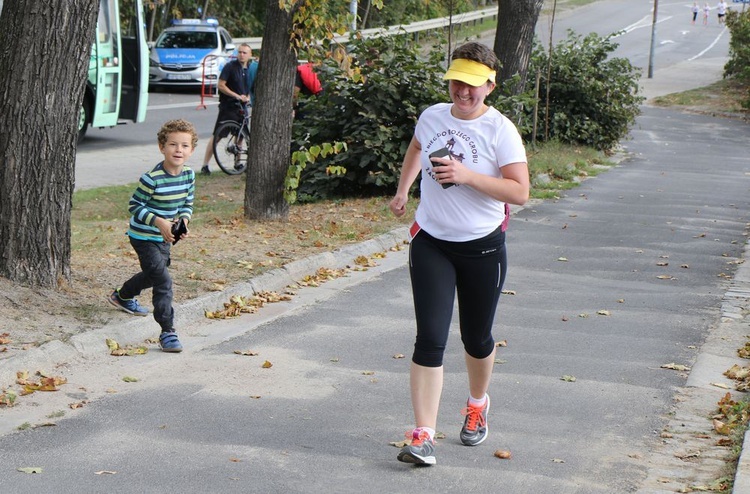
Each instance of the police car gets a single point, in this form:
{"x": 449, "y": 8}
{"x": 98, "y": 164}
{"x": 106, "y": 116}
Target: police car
{"x": 177, "y": 57}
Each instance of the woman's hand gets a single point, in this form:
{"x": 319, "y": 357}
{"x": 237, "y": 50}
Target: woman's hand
{"x": 449, "y": 171}
{"x": 398, "y": 205}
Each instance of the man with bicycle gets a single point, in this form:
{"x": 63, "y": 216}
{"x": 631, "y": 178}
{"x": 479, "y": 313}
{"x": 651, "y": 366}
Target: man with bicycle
{"x": 236, "y": 87}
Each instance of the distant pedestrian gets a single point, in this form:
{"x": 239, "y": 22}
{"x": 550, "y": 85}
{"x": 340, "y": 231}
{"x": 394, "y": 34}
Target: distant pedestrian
{"x": 160, "y": 209}
{"x": 473, "y": 164}
{"x": 721, "y": 10}
{"x": 695, "y": 9}
{"x": 706, "y": 12}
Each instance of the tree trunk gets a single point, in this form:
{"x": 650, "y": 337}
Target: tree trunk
{"x": 45, "y": 59}
{"x": 271, "y": 131}
{"x": 516, "y": 21}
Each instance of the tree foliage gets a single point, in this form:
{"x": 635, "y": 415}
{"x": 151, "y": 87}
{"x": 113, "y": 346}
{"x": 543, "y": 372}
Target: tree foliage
{"x": 738, "y": 66}
{"x": 593, "y": 98}
{"x": 374, "y": 116}
{"x": 245, "y": 18}
{"x": 293, "y": 26}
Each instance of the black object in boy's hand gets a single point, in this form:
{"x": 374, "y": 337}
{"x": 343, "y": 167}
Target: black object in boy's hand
{"x": 178, "y": 229}
{"x": 441, "y": 153}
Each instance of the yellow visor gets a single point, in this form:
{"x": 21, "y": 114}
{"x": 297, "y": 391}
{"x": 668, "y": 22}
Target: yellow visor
{"x": 471, "y": 72}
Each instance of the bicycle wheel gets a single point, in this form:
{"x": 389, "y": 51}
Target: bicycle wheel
{"x": 230, "y": 148}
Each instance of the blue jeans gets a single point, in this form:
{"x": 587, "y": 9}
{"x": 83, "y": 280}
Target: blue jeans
{"x": 154, "y": 260}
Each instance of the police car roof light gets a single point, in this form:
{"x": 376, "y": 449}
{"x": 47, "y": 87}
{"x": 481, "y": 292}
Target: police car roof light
{"x": 195, "y": 22}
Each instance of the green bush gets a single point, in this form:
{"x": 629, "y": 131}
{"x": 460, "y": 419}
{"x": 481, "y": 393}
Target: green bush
{"x": 593, "y": 102}
{"x": 375, "y": 118}
{"x": 593, "y": 98}
{"x": 738, "y": 66}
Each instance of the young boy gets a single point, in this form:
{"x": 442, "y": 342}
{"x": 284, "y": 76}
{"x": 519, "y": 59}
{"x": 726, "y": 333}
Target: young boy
{"x": 163, "y": 199}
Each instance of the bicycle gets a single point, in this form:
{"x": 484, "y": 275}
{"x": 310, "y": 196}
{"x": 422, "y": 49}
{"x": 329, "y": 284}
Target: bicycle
{"x": 231, "y": 143}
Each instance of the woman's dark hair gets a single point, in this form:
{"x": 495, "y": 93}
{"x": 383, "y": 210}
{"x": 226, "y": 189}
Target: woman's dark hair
{"x": 476, "y": 52}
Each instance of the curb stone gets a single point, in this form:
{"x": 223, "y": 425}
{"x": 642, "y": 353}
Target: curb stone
{"x": 91, "y": 343}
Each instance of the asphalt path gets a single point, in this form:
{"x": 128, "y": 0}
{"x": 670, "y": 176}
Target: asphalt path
{"x": 651, "y": 242}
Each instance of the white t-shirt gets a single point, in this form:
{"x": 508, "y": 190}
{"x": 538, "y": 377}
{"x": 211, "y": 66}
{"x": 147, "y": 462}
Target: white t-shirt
{"x": 722, "y": 8}
{"x": 484, "y": 144}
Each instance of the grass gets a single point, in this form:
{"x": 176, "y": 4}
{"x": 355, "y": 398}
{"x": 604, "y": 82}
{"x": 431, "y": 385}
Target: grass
{"x": 722, "y": 98}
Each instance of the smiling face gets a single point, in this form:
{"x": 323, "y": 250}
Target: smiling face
{"x": 468, "y": 100}
{"x": 177, "y": 148}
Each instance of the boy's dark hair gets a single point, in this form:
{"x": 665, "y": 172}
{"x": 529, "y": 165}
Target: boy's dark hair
{"x": 178, "y": 125}
{"x": 476, "y": 52}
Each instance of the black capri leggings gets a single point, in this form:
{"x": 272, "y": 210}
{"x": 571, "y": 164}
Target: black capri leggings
{"x": 439, "y": 269}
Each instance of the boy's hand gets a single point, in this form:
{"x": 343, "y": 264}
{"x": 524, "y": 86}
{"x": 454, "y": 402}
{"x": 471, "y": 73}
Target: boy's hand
{"x": 165, "y": 227}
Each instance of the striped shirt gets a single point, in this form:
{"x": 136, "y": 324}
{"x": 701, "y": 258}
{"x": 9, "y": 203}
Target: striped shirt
{"x": 160, "y": 194}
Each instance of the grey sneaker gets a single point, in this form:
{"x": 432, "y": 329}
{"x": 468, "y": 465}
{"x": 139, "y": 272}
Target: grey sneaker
{"x": 475, "y": 426}
{"x": 131, "y": 306}
{"x": 421, "y": 451}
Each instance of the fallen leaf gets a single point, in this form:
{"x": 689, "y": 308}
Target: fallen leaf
{"x": 30, "y": 469}
{"x": 235, "y": 460}
{"x": 677, "y": 367}
{"x": 564, "y": 318}
{"x": 502, "y": 343}
{"x": 267, "y": 365}
{"x": 666, "y": 277}
{"x": 8, "y": 398}
{"x": 687, "y": 454}
{"x": 368, "y": 373}
{"x": 508, "y": 292}
{"x": 105, "y": 472}
{"x": 255, "y": 397}
{"x": 400, "y": 444}
{"x": 569, "y": 379}
{"x": 557, "y": 460}
{"x": 502, "y": 454}
{"x": 603, "y": 312}
{"x": 129, "y": 351}
{"x": 399, "y": 355}
{"x": 720, "y": 385}
{"x": 562, "y": 259}
{"x": 721, "y": 427}
{"x": 129, "y": 379}
{"x": 248, "y": 353}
